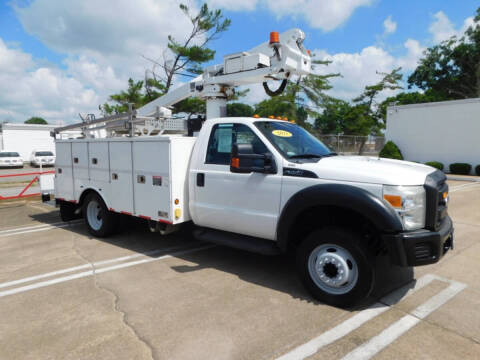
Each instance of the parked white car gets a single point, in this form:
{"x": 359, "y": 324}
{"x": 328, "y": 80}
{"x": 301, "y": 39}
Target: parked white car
{"x": 10, "y": 159}
{"x": 45, "y": 158}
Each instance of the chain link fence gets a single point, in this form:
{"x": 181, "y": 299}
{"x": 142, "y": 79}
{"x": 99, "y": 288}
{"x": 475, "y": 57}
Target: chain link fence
{"x": 351, "y": 144}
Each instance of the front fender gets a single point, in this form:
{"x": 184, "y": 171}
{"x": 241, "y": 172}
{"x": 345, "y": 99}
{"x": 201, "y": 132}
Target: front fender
{"x": 348, "y": 197}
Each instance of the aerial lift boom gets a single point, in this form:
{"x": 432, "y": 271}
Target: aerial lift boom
{"x": 282, "y": 57}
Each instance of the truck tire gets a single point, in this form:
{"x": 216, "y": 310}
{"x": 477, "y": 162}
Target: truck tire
{"x": 335, "y": 268}
{"x": 100, "y": 222}
{"x": 67, "y": 211}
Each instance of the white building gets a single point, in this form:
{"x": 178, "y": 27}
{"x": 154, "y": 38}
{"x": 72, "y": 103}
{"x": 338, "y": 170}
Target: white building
{"x": 446, "y": 131}
{"x": 24, "y": 138}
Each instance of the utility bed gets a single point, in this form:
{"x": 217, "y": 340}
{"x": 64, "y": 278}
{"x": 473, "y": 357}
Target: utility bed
{"x": 144, "y": 177}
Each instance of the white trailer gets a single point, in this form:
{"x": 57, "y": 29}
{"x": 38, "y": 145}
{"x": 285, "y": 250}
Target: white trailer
{"x": 418, "y": 128}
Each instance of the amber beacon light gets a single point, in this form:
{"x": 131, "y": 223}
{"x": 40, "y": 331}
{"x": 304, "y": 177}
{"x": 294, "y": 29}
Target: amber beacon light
{"x": 274, "y": 37}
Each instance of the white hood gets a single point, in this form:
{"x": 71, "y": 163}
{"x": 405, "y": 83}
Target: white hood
{"x": 369, "y": 170}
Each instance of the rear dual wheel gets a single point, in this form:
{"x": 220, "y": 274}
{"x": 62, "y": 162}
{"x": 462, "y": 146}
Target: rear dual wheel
{"x": 335, "y": 267}
{"x": 100, "y": 221}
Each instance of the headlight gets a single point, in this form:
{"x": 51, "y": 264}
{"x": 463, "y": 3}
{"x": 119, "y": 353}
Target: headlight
{"x": 410, "y": 204}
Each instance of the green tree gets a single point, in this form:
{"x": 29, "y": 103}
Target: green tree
{"x": 135, "y": 95}
{"x": 405, "y": 98}
{"x": 239, "y": 110}
{"x": 372, "y": 119}
{"x": 452, "y": 68}
{"x": 190, "y": 106}
{"x": 185, "y": 57}
{"x": 36, "y": 120}
{"x": 182, "y": 58}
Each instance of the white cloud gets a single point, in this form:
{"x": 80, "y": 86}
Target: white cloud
{"x": 361, "y": 68}
{"x": 29, "y": 89}
{"x": 443, "y": 29}
{"x": 103, "y": 45}
{"x": 321, "y": 14}
{"x": 389, "y": 25}
{"x": 414, "y": 52}
{"x": 234, "y": 5}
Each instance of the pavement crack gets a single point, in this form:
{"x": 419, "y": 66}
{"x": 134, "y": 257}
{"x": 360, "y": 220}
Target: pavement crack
{"x": 116, "y": 299}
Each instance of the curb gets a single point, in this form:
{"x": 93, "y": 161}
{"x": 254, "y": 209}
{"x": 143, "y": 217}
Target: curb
{"x": 461, "y": 178}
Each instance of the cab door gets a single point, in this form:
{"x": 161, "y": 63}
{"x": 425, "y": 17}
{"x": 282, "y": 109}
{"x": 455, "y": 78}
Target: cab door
{"x": 241, "y": 203}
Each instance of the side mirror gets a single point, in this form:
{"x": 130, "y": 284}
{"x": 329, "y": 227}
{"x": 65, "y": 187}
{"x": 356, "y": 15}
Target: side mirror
{"x": 244, "y": 160}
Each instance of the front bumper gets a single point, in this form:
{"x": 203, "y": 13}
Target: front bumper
{"x": 420, "y": 247}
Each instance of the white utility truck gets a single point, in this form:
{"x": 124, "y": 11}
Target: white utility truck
{"x": 263, "y": 185}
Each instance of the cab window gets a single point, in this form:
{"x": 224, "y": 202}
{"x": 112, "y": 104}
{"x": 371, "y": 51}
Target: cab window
{"x": 224, "y": 135}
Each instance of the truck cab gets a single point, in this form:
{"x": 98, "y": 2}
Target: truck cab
{"x": 273, "y": 181}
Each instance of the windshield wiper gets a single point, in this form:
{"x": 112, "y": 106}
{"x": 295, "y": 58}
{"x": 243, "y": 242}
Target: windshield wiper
{"x": 312, "y": 156}
{"x": 305, "y": 156}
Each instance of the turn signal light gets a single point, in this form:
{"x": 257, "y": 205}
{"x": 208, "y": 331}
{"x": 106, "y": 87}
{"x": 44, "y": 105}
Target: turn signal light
{"x": 394, "y": 200}
{"x": 445, "y": 194}
{"x": 274, "y": 37}
{"x": 235, "y": 163}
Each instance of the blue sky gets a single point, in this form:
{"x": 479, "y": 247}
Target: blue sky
{"x": 59, "y": 58}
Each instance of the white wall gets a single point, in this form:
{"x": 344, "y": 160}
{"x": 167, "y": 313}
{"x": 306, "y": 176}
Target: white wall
{"x": 24, "y": 139}
{"x": 447, "y": 131}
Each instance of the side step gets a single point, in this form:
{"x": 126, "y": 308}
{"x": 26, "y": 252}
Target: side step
{"x": 238, "y": 241}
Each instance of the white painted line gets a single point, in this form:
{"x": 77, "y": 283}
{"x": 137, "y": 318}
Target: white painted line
{"x": 99, "y": 271}
{"x": 38, "y": 228}
{"x": 81, "y": 267}
{"x": 398, "y": 328}
{"x": 386, "y": 337}
{"x": 332, "y": 335}
{"x": 438, "y": 300}
{"x": 349, "y": 325}
{"x": 22, "y": 228}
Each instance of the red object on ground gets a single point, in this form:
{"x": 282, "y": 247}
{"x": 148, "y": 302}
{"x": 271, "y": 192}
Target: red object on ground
{"x": 22, "y": 193}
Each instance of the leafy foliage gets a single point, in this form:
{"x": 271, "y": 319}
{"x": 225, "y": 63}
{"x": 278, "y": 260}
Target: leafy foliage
{"x": 185, "y": 57}
{"x": 181, "y": 58}
{"x": 452, "y": 68}
{"x": 436, "y": 164}
{"x": 477, "y": 170}
{"x": 460, "y": 168}
{"x": 391, "y": 151}
{"x": 239, "y": 109}
{"x": 36, "y": 120}
{"x": 361, "y": 117}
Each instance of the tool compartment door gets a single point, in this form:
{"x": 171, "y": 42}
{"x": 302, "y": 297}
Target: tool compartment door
{"x": 151, "y": 179}
{"x": 121, "y": 187}
{"x": 64, "y": 171}
{"x": 98, "y": 162}
{"x": 80, "y": 167}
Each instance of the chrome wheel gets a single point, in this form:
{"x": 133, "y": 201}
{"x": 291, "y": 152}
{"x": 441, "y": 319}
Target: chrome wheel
{"x": 333, "y": 269}
{"x": 94, "y": 215}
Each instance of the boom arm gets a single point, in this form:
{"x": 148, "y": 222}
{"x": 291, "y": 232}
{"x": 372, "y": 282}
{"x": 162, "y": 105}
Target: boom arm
{"x": 279, "y": 59}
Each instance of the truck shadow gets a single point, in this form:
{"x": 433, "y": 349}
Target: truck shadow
{"x": 275, "y": 272}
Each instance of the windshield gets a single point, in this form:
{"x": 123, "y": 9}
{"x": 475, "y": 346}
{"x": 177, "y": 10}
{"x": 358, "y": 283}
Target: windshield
{"x": 43, "y": 153}
{"x": 9, "y": 154}
{"x": 293, "y": 141}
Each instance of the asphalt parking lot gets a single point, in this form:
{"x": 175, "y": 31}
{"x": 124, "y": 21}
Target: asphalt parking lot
{"x": 137, "y": 295}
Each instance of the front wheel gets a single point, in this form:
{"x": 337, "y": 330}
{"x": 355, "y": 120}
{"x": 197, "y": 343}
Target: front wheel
{"x": 100, "y": 222}
{"x": 335, "y": 267}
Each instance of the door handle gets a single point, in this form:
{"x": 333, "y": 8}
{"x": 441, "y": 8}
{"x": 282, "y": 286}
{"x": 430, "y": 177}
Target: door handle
{"x": 200, "y": 179}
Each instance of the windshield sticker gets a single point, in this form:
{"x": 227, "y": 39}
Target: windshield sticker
{"x": 282, "y": 133}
